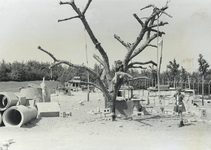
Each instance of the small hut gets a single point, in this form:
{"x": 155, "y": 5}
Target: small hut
{"x": 74, "y": 84}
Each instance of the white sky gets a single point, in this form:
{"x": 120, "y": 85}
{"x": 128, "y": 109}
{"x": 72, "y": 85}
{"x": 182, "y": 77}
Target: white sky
{"x": 27, "y": 24}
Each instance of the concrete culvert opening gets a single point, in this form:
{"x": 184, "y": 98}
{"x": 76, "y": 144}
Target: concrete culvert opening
{"x": 7, "y": 99}
{"x": 3, "y": 101}
{"x": 16, "y": 116}
{"x": 13, "y": 117}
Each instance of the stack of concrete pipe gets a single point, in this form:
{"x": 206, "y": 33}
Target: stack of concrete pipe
{"x": 15, "y": 109}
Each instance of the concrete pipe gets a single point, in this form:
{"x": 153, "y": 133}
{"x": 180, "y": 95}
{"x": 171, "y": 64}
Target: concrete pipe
{"x": 7, "y": 99}
{"x": 1, "y": 118}
{"x": 16, "y": 116}
{"x": 31, "y": 92}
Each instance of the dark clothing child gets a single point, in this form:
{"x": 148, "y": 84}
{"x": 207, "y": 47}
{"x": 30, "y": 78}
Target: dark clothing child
{"x": 179, "y": 106}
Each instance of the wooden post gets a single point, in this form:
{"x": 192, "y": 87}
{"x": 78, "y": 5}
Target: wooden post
{"x": 202, "y": 90}
{"x": 88, "y": 87}
{"x": 158, "y": 74}
{"x": 193, "y": 85}
{"x": 209, "y": 87}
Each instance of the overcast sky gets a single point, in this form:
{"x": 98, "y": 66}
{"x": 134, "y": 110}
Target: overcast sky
{"x": 27, "y": 24}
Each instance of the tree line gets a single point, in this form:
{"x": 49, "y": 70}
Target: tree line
{"x": 177, "y": 74}
{"x": 34, "y": 70}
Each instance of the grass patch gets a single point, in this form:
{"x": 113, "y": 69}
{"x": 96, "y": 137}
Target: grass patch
{"x": 12, "y": 86}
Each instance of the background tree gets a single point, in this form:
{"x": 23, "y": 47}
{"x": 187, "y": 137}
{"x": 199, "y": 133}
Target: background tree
{"x": 5, "y": 70}
{"x": 110, "y": 86}
{"x": 17, "y": 72}
{"x": 174, "y": 70}
{"x": 183, "y": 76}
{"x": 153, "y": 75}
{"x": 203, "y": 69}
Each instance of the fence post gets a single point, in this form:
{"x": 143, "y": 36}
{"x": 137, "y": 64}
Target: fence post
{"x": 193, "y": 85}
{"x": 202, "y": 84}
{"x": 209, "y": 88}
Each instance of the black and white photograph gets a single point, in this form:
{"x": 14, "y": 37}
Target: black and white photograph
{"x": 105, "y": 75}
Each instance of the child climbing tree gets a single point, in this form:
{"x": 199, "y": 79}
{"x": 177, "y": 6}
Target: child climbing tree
{"x": 108, "y": 85}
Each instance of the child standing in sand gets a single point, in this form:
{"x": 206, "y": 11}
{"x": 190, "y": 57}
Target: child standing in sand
{"x": 179, "y": 105}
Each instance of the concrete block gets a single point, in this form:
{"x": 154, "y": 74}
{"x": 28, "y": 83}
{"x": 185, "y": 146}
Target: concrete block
{"x": 62, "y": 114}
{"x": 107, "y": 119}
{"x": 65, "y": 114}
{"x": 21, "y": 99}
{"x": 107, "y": 110}
{"x": 68, "y": 114}
{"x": 107, "y": 114}
{"x": 31, "y": 102}
{"x": 48, "y": 109}
{"x": 137, "y": 113}
{"x": 202, "y": 112}
{"x": 186, "y": 121}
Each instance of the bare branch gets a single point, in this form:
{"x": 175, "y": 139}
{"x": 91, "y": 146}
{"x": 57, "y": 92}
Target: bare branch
{"x": 156, "y": 12}
{"x": 151, "y": 23}
{"x": 68, "y": 18}
{"x": 72, "y": 3}
{"x": 118, "y": 73}
{"x": 167, "y": 14}
{"x": 144, "y": 17}
{"x": 144, "y": 45}
{"x": 63, "y": 3}
{"x": 57, "y": 62}
{"x": 160, "y": 24}
{"x": 156, "y": 31}
{"x": 168, "y": 2}
{"x": 152, "y": 45}
{"x": 121, "y": 41}
{"x": 140, "y": 67}
{"x": 91, "y": 34}
{"x": 134, "y": 64}
{"x": 87, "y": 6}
{"x": 150, "y": 5}
{"x": 139, "y": 20}
{"x": 39, "y": 47}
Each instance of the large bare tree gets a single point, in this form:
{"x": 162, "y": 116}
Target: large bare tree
{"x": 108, "y": 84}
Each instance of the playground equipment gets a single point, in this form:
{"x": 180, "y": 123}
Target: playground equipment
{"x": 161, "y": 95}
{"x": 125, "y": 93}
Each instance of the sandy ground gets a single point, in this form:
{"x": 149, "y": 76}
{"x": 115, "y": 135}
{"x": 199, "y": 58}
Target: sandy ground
{"x": 85, "y": 130}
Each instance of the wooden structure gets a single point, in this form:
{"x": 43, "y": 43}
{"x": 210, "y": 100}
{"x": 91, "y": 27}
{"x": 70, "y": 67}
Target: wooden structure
{"x": 74, "y": 84}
